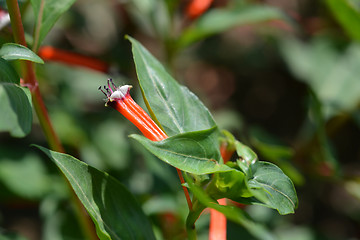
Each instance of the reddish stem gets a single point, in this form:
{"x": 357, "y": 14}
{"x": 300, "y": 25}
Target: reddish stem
{"x": 30, "y": 80}
{"x": 40, "y": 109}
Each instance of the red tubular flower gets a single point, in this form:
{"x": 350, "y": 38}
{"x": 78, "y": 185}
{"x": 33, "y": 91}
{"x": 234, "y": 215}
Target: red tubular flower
{"x": 217, "y": 229}
{"x": 197, "y": 7}
{"x": 120, "y": 99}
{"x": 217, "y": 223}
{"x": 48, "y": 53}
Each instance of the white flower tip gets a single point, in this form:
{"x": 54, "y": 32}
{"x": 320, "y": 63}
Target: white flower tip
{"x": 120, "y": 93}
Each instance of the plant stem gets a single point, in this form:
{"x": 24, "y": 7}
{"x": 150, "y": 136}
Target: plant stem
{"x": 186, "y": 191}
{"x": 38, "y": 26}
{"x": 191, "y": 219}
{"x": 40, "y": 109}
{"x": 30, "y": 79}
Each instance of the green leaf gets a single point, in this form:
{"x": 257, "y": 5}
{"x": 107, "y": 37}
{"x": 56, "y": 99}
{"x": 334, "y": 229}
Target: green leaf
{"x": 13, "y": 51}
{"x": 16, "y": 109}
{"x": 8, "y": 73}
{"x": 271, "y": 186}
{"x": 219, "y": 20}
{"x": 230, "y": 185}
{"x": 52, "y": 11}
{"x": 177, "y": 109}
{"x": 273, "y": 150}
{"x": 232, "y": 213}
{"x": 193, "y": 152}
{"x": 347, "y": 16}
{"x": 111, "y": 206}
{"x": 246, "y": 154}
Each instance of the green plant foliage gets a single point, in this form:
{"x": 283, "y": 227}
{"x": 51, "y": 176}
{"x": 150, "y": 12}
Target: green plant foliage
{"x": 219, "y": 20}
{"x": 257, "y": 181}
{"x": 232, "y": 185}
{"x": 193, "y": 152}
{"x": 113, "y": 209}
{"x": 59, "y": 221}
{"x": 15, "y": 103}
{"x": 177, "y": 109}
{"x": 16, "y": 110}
{"x": 273, "y": 150}
{"x": 151, "y": 15}
{"x": 11, "y": 236}
{"x": 13, "y": 51}
{"x": 231, "y": 212}
{"x": 329, "y": 73}
{"x": 271, "y": 186}
{"x": 246, "y": 154}
{"x": 8, "y": 73}
{"x": 347, "y": 15}
{"x": 14, "y": 174}
{"x": 52, "y": 11}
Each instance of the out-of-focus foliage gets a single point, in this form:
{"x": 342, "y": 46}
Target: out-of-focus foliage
{"x": 290, "y": 91}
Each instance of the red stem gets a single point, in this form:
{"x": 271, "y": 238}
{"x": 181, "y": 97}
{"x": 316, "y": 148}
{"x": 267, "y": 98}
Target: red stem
{"x": 30, "y": 79}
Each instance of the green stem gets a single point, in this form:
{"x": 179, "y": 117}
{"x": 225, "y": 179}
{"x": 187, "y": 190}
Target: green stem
{"x": 192, "y": 218}
{"x": 38, "y": 27}
{"x": 40, "y": 109}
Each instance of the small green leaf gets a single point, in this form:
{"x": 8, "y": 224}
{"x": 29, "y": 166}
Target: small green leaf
{"x": 232, "y": 213}
{"x": 347, "y": 16}
{"x": 219, "y": 20}
{"x": 246, "y": 154}
{"x": 52, "y": 11}
{"x": 111, "y": 206}
{"x": 8, "y": 73}
{"x": 13, "y": 51}
{"x": 193, "y": 152}
{"x": 271, "y": 186}
{"x": 15, "y": 109}
{"x": 230, "y": 184}
{"x": 177, "y": 109}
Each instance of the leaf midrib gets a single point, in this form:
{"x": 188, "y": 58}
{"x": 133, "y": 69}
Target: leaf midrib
{"x": 181, "y": 130}
{"x": 276, "y": 190}
{"x": 87, "y": 199}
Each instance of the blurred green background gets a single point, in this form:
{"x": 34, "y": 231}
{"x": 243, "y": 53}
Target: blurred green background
{"x": 282, "y": 75}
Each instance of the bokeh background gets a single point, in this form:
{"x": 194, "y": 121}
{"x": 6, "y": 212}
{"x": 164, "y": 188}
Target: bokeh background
{"x": 288, "y": 86}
